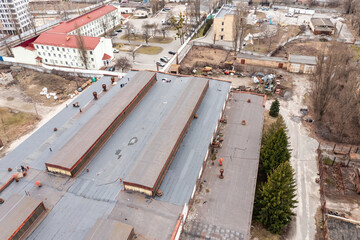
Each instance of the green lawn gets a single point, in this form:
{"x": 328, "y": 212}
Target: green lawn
{"x": 151, "y": 50}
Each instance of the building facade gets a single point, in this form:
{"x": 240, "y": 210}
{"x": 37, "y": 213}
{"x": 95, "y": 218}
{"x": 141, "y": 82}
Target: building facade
{"x": 14, "y": 16}
{"x": 65, "y": 44}
{"x": 223, "y": 23}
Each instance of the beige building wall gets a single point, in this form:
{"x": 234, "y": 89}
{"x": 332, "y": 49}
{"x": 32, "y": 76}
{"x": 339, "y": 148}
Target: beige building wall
{"x": 263, "y": 63}
{"x": 223, "y": 28}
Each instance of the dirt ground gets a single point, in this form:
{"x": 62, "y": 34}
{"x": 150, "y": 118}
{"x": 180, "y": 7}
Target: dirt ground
{"x": 310, "y": 48}
{"x": 58, "y": 6}
{"x": 14, "y": 124}
{"x": 22, "y": 107}
{"x": 262, "y": 45}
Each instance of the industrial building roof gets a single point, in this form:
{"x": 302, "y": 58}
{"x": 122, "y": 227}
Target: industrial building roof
{"x": 78, "y": 145}
{"x": 75, "y": 204}
{"x": 66, "y": 27}
{"x": 151, "y": 162}
{"x": 107, "y": 229}
{"x": 14, "y": 212}
{"x": 310, "y": 60}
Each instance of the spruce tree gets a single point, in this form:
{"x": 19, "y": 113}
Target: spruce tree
{"x": 274, "y": 152}
{"x": 273, "y": 128}
{"x": 274, "y": 109}
{"x": 276, "y": 199}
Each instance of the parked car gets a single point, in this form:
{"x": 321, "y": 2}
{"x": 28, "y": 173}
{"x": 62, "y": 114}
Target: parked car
{"x": 167, "y": 58}
{"x": 114, "y": 34}
{"x": 111, "y": 69}
{"x": 161, "y": 64}
{"x": 172, "y": 52}
{"x": 167, "y": 8}
{"x": 116, "y": 51}
{"x": 123, "y": 26}
{"x": 119, "y": 30}
{"x": 164, "y": 60}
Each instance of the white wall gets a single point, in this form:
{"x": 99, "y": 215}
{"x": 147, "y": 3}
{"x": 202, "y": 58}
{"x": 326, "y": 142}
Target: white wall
{"x": 24, "y": 55}
{"x": 105, "y": 46}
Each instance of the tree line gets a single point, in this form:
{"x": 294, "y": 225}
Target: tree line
{"x": 275, "y": 196}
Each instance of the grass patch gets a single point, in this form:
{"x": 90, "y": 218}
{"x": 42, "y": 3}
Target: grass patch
{"x": 327, "y": 161}
{"x": 160, "y": 39}
{"x": 14, "y": 124}
{"x": 118, "y": 46}
{"x": 200, "y": 33}
{"x": 258, "y": 231}
{"x": 133, "y": 37}
{"x": 151, "y": 50}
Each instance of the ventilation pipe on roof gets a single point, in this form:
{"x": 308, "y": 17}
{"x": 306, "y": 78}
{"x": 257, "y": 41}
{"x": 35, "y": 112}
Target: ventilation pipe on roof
{"x": 104, "y": 87}
{"x": 95, "y": 95}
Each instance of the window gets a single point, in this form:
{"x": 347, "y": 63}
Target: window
{"x": 42, "y": 47}
{"x": 66, "y": 63}
{"x": 52, "y": 48}
{"x": 61, "y": 62}
{"x": 92, "y": 59}
{"x": 58, "y": 49}
{"x": 49, "y": 54}
{"x": 47, "y": 47}
{"x": 46, "y": 60}
{"x": 39, "y": 53}
{"x": 91, "y": 52}
{"x": 222, "y": 23}
{"x": 222, "y": 29}
{"x": 56, "y": 61}
{"x": 59, "y": 55}
{"x": 54, "y": 54}
{"x": 222, "y": 37}
{"x": 74, "y": 50}
{"x": 63, "y": 49}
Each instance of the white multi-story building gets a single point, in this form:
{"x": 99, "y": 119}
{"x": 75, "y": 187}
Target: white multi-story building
{"x": 60, "y": 46}
{"x": 14, "y": 16}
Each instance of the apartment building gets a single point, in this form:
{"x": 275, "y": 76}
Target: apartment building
{"x": 223, "y": 23}
{"x": 60, "y": 46}
{"x": 14, "y": 16}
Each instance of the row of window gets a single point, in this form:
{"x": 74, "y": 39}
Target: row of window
{"x": 52, "y": 61}
{"x": 60, "y": 56}
{"x": 58, "y": 49}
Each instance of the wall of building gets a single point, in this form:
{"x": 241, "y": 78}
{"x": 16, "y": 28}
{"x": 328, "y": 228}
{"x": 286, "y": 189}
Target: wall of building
{"x": 26, "y": 56}
{"x": 105, "y": 46}
{"x": 301, "y": 68}
{"x": 15, "y": 11}
{"x": 223, "y": 28}
{"x": 263, "y": 63}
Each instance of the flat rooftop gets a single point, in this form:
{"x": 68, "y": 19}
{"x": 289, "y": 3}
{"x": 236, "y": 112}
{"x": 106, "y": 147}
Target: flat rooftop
{"x": 70, "y": 154}
{"x": 14, "y": 212}
{"x": 99, "y": 192}
{"x": 225, "y": 10}
{"x": 214, "y": 212}
{"x": 264, "y": 58}
{"x": 151, "y": 163}
{"x": 310, "y": 60}
{"x": 322, "y": 22}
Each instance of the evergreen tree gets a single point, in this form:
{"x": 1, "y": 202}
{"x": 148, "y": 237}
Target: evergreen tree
{"x": 275, "y": 108}
{"x": 274, "y": 152}
{"x": 273, "y": 128}
{"x": 275, "y": 200}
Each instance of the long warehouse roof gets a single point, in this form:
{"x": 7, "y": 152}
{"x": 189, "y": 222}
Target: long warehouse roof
{"x": 107, "y": 229}
{"x": 152, "y": 159}
{"x": 14, "y": 212}
{"x": 77, "y": 146}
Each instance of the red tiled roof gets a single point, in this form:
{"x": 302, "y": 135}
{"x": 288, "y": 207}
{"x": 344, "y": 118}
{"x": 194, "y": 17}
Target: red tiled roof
{"x": 82, "y": 20}
{"x": 62, "y": 40}
{"x": 125, "y": 15}
{"x": 106, "y": 57}
{"x": 30, "y": 47}
{"x": 38, "y": 58}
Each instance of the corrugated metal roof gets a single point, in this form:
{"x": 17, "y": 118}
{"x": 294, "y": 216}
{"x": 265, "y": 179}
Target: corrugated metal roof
{"x": 106, "y": 229}
{"x": 77, "y": 146}
{"x": 14, "y": 212}
{"x": 151, "y": 162}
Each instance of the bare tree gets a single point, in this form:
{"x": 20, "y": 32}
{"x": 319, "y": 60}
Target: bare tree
{"x": 128, "y": 30}
{"x": 154, "y": 6}
{"x": 133, "y": 52}
{"x": 164, "y": 30}
{"x": 104, "y": 25}
{"x": 123, "y": 63}
{"x": 146, "y": 27}
{"x": 113, "y": 18}
{"x": 239, "y": 26}
{"x": 155, "y": 29}
{"x": 80, "y": 42}
{"x": 329, "y": 70}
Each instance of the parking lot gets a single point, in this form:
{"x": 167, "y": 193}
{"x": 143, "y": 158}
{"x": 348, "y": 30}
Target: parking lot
{"x": 147, "y": 61}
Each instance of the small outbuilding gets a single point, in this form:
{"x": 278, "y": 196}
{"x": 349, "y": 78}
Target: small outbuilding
{"x": 322, "y": 26}
{"x": 301, "y": 64}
